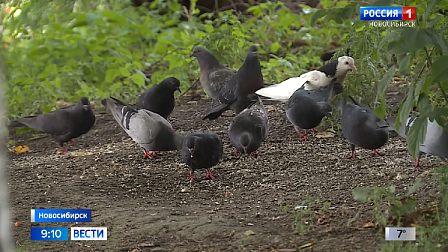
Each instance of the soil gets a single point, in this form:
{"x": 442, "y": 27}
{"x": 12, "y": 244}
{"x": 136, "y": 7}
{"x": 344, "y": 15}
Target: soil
{"x": 147, "y": 205}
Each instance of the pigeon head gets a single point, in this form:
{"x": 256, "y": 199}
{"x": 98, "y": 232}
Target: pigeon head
{"x": 252, "y": 52}
{"x": 345, "y": 65}
{"x": 205, "y": 58}
{"x": 245, "y": 140}
{"x": 190, "y": 144}
{"x": 171, "y": 83}
{"x": 85, "y": 102}
{"x": 325, "y": 107}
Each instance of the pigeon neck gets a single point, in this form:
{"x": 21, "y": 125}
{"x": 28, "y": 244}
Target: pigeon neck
{"x": 209, "y": 63}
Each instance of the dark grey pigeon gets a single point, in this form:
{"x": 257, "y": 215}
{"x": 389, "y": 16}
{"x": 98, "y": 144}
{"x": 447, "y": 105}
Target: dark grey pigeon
{"x": 148, "y": 129}
{"x": 250, "y": 128}
{"x": 436, "y": 140}
{"x": 307, "y": 108}
{"x": 234, "y": 94}
{"x": 214, "y": 75}
{"x": 202, "y": 150}
{"x": 362, "y": 128}
{"x": 160, "y": 98}
{"x": 63, "y": 125}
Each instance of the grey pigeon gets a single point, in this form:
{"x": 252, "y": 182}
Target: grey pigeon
{"x": 336, "y": 69}
{"x": 234, "y": 94}
{"x": 202, "y": 150}
{"x": 307, "y": 108}
{"x": 148, "y": 129}
{"x": 160, "y": 98}
{"x": 362, "y": 128}
{"x": 63, "y": 124}
{"x": 214, "y": 75}
{"x": 436, "y": 140}
{"x": 250, "y": 128}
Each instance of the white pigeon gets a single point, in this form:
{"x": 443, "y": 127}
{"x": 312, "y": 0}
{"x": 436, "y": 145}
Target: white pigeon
{"x": 336, "y": 69}
{"x": 436, "y": 140}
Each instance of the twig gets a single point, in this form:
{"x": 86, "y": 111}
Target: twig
{"x": 189, "y": 88}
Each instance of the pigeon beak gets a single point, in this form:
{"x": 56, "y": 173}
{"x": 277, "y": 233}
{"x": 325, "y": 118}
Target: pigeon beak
{"x": 191, "y": 55}
{"x": 354, "y": 67}
{"x": 178, "y": 89}
{"x": 191, "y": 152}
{"x": 86, "y": 107}
{"x": 330, "y": 114}
{"x": 245, "y": 149}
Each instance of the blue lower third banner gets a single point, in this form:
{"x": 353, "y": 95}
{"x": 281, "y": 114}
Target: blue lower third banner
{"x": 49, "y": 234}
{"x": 88, "y": 233}
{"x": 61, "y": 215}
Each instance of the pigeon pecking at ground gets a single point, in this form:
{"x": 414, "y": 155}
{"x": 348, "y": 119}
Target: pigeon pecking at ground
{"x": 160, "y": 98}
{"x": 435, "y": 143}
{"x": 362, "y": 128}
{"x": 234, "y": 94}
{"x": 250, "y": 128}
{"x": 63, "y": 124}
{"x": 307, "y": 108}
{"x": 336, "y": 69}
{"x": 202, "y": 150}
{"x": 214, "y": 75}
{"x": 148, "y": 129}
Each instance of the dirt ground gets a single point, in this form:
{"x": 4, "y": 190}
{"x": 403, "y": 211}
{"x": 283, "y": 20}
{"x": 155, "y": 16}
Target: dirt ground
{"x": 147, "y": 205}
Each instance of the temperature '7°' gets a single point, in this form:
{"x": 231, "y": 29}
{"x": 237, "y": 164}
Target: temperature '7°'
{"x": 400, "y": 234}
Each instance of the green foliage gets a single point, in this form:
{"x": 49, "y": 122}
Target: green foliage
{"x": 421, "y": 54}
{"x": 68, "y": 49}
{"x": 307, "y": 214}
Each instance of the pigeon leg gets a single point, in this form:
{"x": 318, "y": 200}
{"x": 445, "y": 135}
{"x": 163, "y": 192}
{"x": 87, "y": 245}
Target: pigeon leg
{"x": 64, "y": 151}
{"x": 300, "y": 134}
{"x": 191, "y": 178}
{"x": 352, "y": 149}
{"x": 313, "y": 131}
{"x": 377, "y": 153}
{"x": 237, "y": 152}
{"x": 45, "y": 149}
{"x": 305, "y": 138}
{"x": 209, "y": 175}
{"x": 151, "y": 154}
{"x": 417, "y": 161}
{"x": 254, "y": 154}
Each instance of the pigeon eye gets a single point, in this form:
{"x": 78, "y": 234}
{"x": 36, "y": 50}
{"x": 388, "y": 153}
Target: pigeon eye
{"x": 346, "y": 62}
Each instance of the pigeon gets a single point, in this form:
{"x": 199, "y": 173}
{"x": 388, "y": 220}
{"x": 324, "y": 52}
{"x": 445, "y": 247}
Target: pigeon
{"x": 233, "y": 95}
{"x": 214, "y": 75}
{"x": 307, "y": 108}
{"x": 63, "y": 124}
{"x": 250, "y": 128}
{"x": 362, "y": 128}
{"x": 435, "y": 143}
{"x": 160, "y": 98}
{"x": 336, "y": 69}
{"x": 202, "y": 150}
{"x": 148, "y": 129}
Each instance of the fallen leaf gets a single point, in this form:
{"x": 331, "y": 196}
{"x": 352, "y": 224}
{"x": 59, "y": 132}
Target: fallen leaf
{"x": 249, "y": 233}
{"x": 369, "y": 224}
{"x": 271, "y": 109}
{"x": 146, "y": 244}
{"x": 80, "y": 153}
{"x": 18, "y": 224}
{"x": 325, "y": 134}
{"x": 21, "y": 149}
{"x": 307, "y": 245}
{"x": 320, "y": 220}
{"x": 62, "y": 104}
